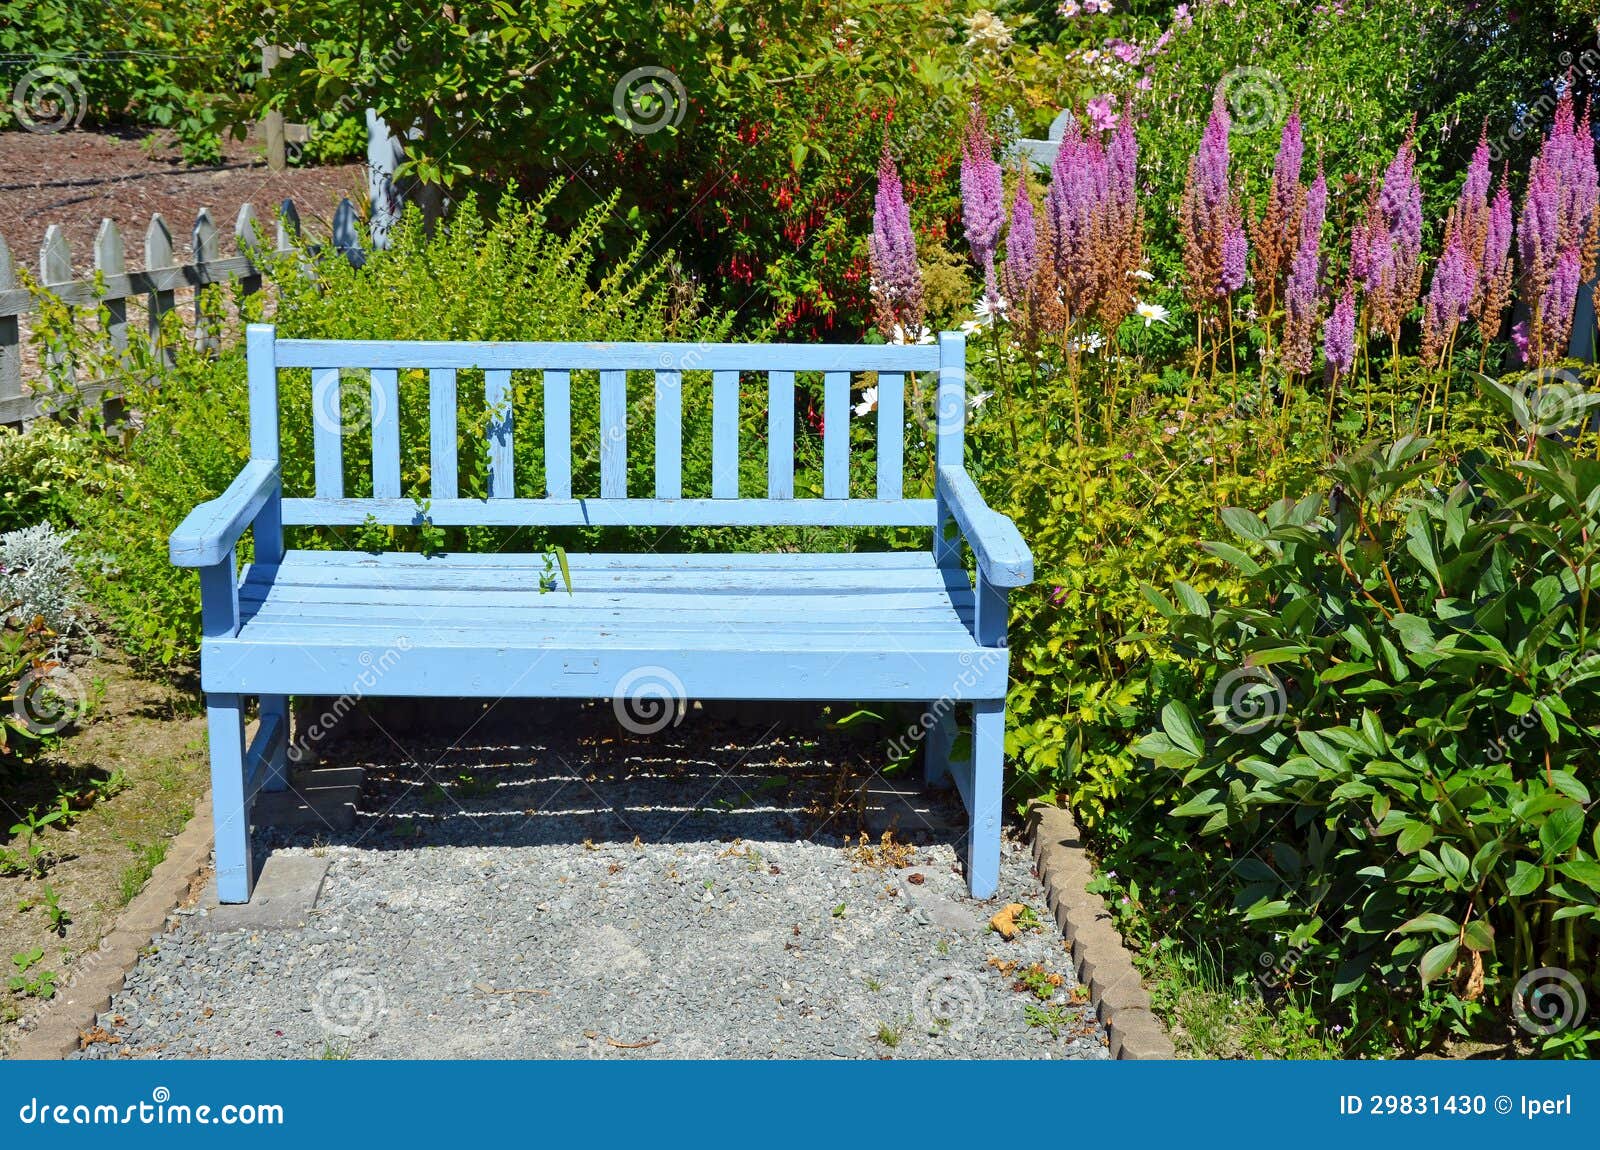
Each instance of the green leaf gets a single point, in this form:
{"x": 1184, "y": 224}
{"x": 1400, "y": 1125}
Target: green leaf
{"x": 1437, "y": 923}
{"x": 1179, "y": 724}
{"x": 1478, "y": 935}
{"x": 1560, "y": 830}
{"x": 1438, "y": 960}
{"x": 1414, "y": 838}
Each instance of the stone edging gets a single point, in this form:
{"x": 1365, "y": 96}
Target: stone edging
{"x": 98, "y": 973}
{"x": 1101, "y": 959}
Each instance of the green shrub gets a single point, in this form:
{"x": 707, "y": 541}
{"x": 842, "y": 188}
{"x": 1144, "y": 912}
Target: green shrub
{"x": 1386, "y": 754}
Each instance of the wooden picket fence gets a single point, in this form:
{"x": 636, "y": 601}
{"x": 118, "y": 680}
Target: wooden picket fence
{"x": 158, "y": 283}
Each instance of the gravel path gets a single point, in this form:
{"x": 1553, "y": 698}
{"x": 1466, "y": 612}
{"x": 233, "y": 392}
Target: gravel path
{"x": 580, "y": 893}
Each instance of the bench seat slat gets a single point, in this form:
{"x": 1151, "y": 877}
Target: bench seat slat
{"x": 312, "y": 662}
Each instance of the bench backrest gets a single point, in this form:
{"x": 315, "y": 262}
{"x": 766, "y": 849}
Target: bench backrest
{"x": 839, "y": 366}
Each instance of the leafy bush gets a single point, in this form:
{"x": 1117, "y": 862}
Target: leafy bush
{"x": 1386, "y": 751}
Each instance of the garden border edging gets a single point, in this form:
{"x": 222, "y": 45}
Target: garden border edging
{"x": 1101, "y": 960}
{"x": 99, "y": 972}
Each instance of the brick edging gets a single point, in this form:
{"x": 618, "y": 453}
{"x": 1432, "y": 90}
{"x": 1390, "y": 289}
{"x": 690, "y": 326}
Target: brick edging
{"x": 98, "y": 973}
{"x": 1102, "y": 961}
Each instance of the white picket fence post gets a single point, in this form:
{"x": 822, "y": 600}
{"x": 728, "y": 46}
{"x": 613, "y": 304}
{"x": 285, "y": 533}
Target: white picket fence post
{"x": 156, "y": 285}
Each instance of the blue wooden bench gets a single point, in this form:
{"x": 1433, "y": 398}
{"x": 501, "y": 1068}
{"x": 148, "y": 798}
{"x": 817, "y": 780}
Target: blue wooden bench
{"x": 904, "y": 625}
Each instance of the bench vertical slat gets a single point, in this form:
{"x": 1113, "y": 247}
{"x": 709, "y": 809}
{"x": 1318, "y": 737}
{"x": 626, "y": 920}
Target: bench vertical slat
{"x": 836, "y": 435}
{"x": 261, "y": 371}
{"x": 669, "y": 434}
{"x": 558, "y": 434}
{"x": 327, "y": 439}
{"x": 780, "y": 435}
{"x": 725, "y": 435}
{"x": 497, "y": 404}
{"x": 442, "y": 432}
{"x": 891, "y": 433}
{"x": 385, "y": 433}
{"x": 948, "y": 452}
{"x": 613, "y": 435}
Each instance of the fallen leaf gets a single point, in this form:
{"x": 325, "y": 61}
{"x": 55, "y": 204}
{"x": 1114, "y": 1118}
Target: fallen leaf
{"x": 1004, "y": 923}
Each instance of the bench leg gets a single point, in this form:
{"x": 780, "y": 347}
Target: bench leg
{"x": 277, "y": 776}
{"x": 229, "y": 811}
{"x": 988, "y": 763}
{"x": 940, "y": 738}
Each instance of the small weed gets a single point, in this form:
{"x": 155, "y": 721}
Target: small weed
{"x": 1039, "y": 982}
{"x": 138, "y": 872}
{"x": 29, "y": 982}
{"x": 1052, "y": 1018}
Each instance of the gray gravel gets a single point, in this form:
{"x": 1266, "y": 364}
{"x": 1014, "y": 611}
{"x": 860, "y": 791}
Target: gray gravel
{"x": 583, "y": 895}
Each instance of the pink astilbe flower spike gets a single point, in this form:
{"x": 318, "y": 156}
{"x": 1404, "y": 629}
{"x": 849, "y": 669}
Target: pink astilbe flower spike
{"x": 1303, "y": 288}
{"x": 1214, "y": 245}
{"x": 897, "y": 278}
{"x": 1022, "y": 244}
{"x": 982, "y": 198}
{"x": 1339, "y": 335}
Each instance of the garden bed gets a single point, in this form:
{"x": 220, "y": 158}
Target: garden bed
{"x": 143, "y": 743}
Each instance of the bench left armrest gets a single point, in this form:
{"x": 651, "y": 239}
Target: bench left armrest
{"x": 209, "y": 532}
{"x": 1003, "y": 558}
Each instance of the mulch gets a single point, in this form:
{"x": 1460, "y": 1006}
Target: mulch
{"x": 77, "y": 178}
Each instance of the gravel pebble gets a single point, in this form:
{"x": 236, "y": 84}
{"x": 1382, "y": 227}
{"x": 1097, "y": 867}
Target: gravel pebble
{"x": 507, "y": 903}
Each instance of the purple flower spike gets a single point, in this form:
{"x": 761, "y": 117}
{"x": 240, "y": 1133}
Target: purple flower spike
{"x": 982, "y": 197}
{"x": 1339, "y": 334}
{"x": 893, "y": 249}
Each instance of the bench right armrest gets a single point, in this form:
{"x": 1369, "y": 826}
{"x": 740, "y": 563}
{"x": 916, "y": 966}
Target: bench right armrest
{"x": 212, "y": 529}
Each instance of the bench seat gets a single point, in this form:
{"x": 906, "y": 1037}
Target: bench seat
{"x": 890, "y": 625}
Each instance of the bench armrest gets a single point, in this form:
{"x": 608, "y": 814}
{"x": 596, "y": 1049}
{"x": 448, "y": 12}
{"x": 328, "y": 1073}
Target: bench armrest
{"x": 1003, "y": 557}
{"x": 212, "y": 529}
